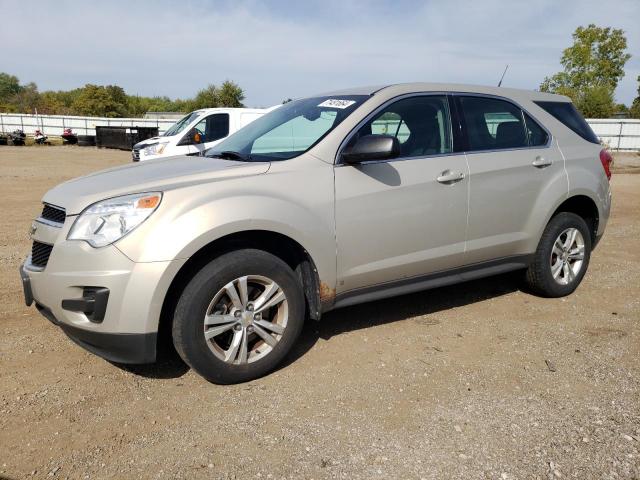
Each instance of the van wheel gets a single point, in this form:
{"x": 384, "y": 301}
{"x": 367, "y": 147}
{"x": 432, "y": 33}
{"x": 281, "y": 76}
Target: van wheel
{"x": 562, "y": 257}
{"x": 239, "y": 316}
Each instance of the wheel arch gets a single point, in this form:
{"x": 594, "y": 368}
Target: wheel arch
{"x": 583, "y": 206}
{"x": 318, "y": 296}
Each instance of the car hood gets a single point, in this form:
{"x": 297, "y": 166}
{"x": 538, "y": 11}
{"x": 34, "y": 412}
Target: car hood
{"x": 151, "y": 141}
{"x": 160, "y": 175}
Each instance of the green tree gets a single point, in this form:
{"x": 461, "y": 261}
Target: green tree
{"x": 51, "y": 104}
{"x": 206, "y": 98}
{"x": 138, "y": 105}
{"x": 100, "y": 101}
{"x": 596, "y": 102}
{"x": 9, "y": 86}
{"x": 25, "y": 100}
{"x": 634, "y": 111}
{"x": 109, "y": 100}
{"x": 593, "y": 66}
{"x": 230, "y": 95}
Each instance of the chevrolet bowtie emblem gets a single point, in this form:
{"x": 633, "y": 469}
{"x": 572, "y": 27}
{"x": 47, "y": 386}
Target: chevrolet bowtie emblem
{"x": 33, "y": 229}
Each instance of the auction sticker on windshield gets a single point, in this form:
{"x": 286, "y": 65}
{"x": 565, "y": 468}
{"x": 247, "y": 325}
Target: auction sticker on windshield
{"x": 337, "y": 103}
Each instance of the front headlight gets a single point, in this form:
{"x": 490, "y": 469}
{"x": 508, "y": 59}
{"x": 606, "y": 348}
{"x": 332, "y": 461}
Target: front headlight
{"x": 109, "y": 220}
{"x": 155, "y": 149}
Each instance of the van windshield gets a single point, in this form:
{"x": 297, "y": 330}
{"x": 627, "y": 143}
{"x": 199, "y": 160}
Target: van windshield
{"x": 289, "y": 130}
{"x": 181, "y": 124}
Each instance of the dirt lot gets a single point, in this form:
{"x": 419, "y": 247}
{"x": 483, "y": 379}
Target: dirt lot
{"x": 450, "y": 383}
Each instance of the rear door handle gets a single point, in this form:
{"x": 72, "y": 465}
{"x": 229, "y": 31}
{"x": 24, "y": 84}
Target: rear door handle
{"x": 450, "y": 177}
{"x": 541, "y": 162}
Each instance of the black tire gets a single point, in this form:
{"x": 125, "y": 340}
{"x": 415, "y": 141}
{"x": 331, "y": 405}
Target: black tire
{"x": 539, "y": 277}
{"x": 187, "y": 329}
{"x": 86, "y": 140}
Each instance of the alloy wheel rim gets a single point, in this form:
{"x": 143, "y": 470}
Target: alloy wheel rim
{"x": 567, "y": 256}
{"x": 246, "y": 319}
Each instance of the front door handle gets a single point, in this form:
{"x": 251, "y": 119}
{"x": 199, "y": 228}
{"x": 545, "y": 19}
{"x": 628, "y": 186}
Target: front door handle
{"x": 541, "y": 162}
{"x": 449, "y": 177}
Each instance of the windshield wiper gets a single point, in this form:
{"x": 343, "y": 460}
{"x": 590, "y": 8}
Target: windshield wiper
{"x": 231, "y": 155}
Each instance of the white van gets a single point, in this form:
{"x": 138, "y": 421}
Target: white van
{"x": 196, "y": 132}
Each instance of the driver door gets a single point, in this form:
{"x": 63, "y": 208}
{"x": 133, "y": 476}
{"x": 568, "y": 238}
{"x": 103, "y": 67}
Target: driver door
{"x": 406, "y": 217}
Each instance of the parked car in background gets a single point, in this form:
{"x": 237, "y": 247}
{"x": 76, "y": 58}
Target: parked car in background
{"x": 325, "y": 202}
{"x": 196, "y": 132}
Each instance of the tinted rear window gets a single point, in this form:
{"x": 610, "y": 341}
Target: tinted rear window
{"x": 566, "y": 113}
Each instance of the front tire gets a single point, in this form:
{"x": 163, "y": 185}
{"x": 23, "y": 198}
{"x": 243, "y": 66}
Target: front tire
{"x": 562, "y": 257}
{"x": 239, "y": 316}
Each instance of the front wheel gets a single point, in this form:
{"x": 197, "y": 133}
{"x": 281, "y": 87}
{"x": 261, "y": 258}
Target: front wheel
{"x": 239, "y": 316}
{"x": 562, "y": 257}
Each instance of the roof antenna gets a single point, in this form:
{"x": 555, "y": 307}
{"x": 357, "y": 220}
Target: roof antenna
{"x": 503, "y": 74}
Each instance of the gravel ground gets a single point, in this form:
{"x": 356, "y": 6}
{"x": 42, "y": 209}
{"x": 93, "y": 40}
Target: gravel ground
{"x": 478, "y": 380}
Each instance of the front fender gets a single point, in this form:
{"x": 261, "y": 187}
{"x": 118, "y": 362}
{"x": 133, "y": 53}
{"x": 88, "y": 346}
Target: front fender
{"x": 191, "y": 218}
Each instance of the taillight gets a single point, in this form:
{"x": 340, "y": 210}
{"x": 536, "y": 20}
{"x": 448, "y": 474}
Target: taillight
{"x": 606, "y": 159}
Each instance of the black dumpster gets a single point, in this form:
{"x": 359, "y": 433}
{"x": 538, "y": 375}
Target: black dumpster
{"x": 123, "y": 138}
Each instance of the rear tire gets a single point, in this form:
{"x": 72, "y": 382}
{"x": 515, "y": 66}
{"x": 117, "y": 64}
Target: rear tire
{"x": 239, "y": 316}
{"x": 562, "y": 257}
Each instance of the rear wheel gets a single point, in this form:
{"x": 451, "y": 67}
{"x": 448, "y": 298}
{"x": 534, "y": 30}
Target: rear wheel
{"x": 239, "y": 316}
{"x": 562, "y": 257}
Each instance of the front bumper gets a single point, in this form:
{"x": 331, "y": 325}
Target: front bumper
{"x": 101, "y": 299}
{"x": 116, "y": 347}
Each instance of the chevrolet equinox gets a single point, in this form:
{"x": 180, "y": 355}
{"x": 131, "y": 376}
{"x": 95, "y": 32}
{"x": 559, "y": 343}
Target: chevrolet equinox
{"x": 324, "y": 202}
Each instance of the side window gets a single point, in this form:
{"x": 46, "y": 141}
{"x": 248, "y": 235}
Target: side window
{"x": 566, "y": 113}
{"x": 493, "y": 124}
{"x": 214, "y": 127}
{"x": 390, "y": 123}
{"x": 535, "y": 133}
{"x": 421, "y": 124}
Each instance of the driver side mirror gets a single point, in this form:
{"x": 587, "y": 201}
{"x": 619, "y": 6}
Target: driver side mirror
{"x": 372, "y": 147}
{"x": 192, "y": 138}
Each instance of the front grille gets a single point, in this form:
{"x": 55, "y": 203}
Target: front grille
{"x": 53, "y": 214}
{"x": 40, "y": 254}
{"x": 135, "y": 155}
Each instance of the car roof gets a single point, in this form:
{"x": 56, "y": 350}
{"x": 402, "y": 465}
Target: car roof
{"x": 403, "y": 88}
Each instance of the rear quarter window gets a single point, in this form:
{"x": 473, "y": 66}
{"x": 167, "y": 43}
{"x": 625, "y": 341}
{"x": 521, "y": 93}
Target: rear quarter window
{"x": 567, "y": 114}
{"x": 537, "y": 136}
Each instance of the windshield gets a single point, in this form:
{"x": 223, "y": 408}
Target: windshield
{"x": 181, "y": 124}
{"x": 289, "y": 130}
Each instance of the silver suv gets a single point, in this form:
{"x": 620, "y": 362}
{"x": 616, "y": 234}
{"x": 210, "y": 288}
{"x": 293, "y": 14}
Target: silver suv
{"x": 325, "y": 202}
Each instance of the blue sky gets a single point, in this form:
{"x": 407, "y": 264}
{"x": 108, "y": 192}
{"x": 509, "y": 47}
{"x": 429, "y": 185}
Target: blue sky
{"x": 282, "y": 49}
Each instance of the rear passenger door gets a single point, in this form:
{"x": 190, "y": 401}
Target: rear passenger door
{"x": 512, "y": 162}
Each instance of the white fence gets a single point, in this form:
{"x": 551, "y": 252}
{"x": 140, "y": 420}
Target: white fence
{"x": 618, "y": 134}
{"x": 55, "y": 124}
